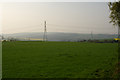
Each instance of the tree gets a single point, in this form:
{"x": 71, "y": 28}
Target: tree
{"x": 115, "y": 12}
{"x": 115, "y": 19}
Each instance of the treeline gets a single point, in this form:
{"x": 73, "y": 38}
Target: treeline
{"x": 101, "y": 41}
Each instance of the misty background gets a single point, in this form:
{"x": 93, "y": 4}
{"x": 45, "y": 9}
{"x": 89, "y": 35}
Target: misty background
{"x": 65, "y": 20}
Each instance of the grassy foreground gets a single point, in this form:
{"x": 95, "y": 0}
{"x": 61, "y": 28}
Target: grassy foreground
{"x": 58, "y": 59}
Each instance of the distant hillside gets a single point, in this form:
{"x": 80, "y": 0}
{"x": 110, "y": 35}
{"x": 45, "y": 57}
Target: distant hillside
{"x": 59, "y": 36}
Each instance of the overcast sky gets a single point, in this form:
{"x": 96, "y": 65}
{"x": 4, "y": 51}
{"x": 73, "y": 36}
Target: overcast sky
{"x": 75, "y": 17}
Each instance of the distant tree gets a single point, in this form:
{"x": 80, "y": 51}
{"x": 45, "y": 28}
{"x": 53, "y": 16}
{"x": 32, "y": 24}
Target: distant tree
{"x": 12, "y": 39}
{"x": 2, "y": 37}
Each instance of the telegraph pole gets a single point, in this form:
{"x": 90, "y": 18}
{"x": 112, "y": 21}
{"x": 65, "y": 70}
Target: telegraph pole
{"x": 45, "y": 32}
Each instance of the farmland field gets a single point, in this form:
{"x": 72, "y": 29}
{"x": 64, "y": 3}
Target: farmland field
{"x": 58, "y": 59}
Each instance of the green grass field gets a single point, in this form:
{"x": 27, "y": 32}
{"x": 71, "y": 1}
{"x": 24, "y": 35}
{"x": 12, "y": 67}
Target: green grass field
{"x": 58, "y": 59}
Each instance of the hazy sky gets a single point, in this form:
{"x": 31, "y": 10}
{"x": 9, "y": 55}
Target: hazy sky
{"x": 75, "y": 17}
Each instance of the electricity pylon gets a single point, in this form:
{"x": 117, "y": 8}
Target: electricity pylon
{"x": 91, "y": 35}
{"x": 45, "y": 32}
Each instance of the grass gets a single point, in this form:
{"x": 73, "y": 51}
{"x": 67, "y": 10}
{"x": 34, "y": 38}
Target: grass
{"x": 58, "y": 59}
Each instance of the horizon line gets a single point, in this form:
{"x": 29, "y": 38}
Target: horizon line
{"x": 61, "y": 32}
